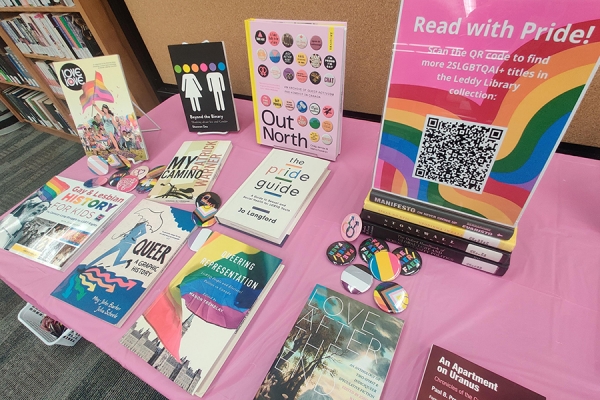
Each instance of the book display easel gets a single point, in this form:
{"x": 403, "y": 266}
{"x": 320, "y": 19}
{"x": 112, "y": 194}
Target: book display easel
{"x": 466, "y": 135}
{"x": 59, "y": 41}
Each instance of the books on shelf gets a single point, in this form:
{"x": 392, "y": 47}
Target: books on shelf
{"x": 192, "y": 171}
{"x": 97, "y": 95}
{"x": 49, "y": 76}
{"x": 468, "y": 139}
{"x": 12, "y": 70}
{"x": 297, "y": 77}
{"x": 121, "y": 268}
{"x": 448, "y": 375}
{"x": 59, "y": 220}
{"x": 55, "y": 35}
{"x": 193, "y": 325}
{"x": 36, "y": 3}
{"x": 273, "y": 198}
{"x": 338, "y": 348}
{"x": 202, "y": 75}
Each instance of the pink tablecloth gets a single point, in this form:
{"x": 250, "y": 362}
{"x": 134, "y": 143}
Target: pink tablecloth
{"x": 539, "y": 325}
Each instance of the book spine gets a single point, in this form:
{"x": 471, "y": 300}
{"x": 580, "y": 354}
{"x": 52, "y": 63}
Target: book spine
{"x": 436, "y": 237}
{"x": 433, "y": 249}
{"x": 248, "y": 24}
{"x": 440, "y": 214}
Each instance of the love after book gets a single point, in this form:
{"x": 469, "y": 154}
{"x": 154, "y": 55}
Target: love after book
{"x": 58, "y": 221}
{"x": 192, "y": 171}
{"x": 193, "y": 325}
{"x": 338, "y": 348}
{"x": 122, "y": 267}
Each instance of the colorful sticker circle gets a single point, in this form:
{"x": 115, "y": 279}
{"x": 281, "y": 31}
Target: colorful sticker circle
{"x": 329, "y": 62}
{"x": 288, "y": 74}
{"x": 328, "y": 111}
{"x": 288, "y": 57}
{"x": 301, "y": 106}
{"x": 289, "y": 105}
{"x": 315, "y": 61}
{"x": 301, "y": 41}
{"x": 287, "y": 40}
{"x": 315, "y": 78}
{"x": 327, "y": 126}
{"x": 410, "y": 260}
{"x": 274, "y": 56}
{"x": 207, "y": 205}
{"x": 329, "y": 80}
{"x": 95, "y": 182}
{"x": 260, "y": 37}
{"x": 314, "y": 109}
{"x": 301, "y": 76}
{"x": 275, "y": 72}
{"x": 314, "y": 137}
{"x": 301, "y": 59}
{"x": 145, "y": 185}
{"x": 391, "y": 297}
{"x": 384, "y": 266}
{"x": 116, "y": 177}
{"x": 273, "y": 38}
{"x": 277, "y": 102}
{"x": 263, "y": 70}
{"x": 140, "y": 172}
{"x": 316, "y": 43}
{"x": 261, "y": 54}
{"x": 302, "y": 121}
{"x": 156, "y": 171}
{"x": 314, "y": 123}
{"x": 98, "y": 165}
{"x": 127, "y": 183}
{"x": 351, "y": 227}
{"x": 369, "y": 247}
{"x": 341, "y": 253}
{"x": 265, "y": 100}
{"x": 357, "y": 278}
{"x": 326, "y": 139}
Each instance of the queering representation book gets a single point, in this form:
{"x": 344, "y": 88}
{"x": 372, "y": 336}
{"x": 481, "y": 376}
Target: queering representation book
{"x": 202, "y": 75}
{"x": 338, "y": 348}
{"x": 192, "y": 171}
{"x": 59, "y": 220}
{"x": 190, "y": 329}
{"x": 98, "y": 98}
{"x": 297, "y": 77}
{"x": 272, "y": 199}
{"x": 121, "y": 268}
{"x": 477, "y": 103}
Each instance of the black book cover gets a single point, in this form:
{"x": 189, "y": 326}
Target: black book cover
{"x": 202, "y": 75}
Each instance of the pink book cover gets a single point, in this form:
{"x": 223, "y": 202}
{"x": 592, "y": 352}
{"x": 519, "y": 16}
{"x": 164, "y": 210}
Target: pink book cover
{"x": 297, "y": 76}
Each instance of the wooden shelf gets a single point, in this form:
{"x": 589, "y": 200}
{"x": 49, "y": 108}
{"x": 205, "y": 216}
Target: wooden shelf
{"x": 22, "y": 86}
{"x": 55, "y": 132}
{"x": 59, "y": 9}
{"x": 42, "y": 57}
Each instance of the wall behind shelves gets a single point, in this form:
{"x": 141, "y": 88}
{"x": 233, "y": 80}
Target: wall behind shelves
{"x": 371, "y": 31}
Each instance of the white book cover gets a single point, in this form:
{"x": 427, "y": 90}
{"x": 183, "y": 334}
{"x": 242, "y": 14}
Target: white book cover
{"x": 274, "y": 195}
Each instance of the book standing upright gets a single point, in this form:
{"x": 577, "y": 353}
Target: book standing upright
{"x": 297, "y": 76}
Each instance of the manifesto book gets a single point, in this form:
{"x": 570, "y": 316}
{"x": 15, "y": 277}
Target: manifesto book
{"x": 59, "y": 220}
{"x": 193, "y": 170}
{"x": 193, "y": 325}
{"x": 297, "y": 77}
{"x": 270, "y": 202}
{"x": 202, "y": 75}
{"x": 114, "y": 277}
{"x": 98, "y": 98}
{"x": 339, "y": 348}
{"x": 450, "y": 376}
{"x": 477, "y": 103}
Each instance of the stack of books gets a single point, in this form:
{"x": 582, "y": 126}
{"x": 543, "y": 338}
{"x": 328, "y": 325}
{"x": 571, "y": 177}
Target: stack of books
{"x": 49, "y": 75}
{"x": 12, "y": 70}
{"x": 459, "y": 243}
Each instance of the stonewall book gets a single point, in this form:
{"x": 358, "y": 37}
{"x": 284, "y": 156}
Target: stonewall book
{"x": 98, "y": 98}
{"x": 119, "y": 271}
{"x": 339, "y": 348}
{"x": 273, "y": 198}
{"x": 450, "y": 376}
{"x": 297, "y": 77}
{"x": 191, "y": 328}
{"x": 202, "y": 75}
{"x": 478, "y": 100}
{"x": 59, "y": 220}
{"x": 193, "y": 170}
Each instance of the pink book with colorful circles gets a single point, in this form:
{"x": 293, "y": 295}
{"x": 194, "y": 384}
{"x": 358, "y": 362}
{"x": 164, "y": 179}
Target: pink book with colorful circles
{"x": 297, "y": 76}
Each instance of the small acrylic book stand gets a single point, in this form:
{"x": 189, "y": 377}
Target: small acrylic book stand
{"x": 147, "y": 116}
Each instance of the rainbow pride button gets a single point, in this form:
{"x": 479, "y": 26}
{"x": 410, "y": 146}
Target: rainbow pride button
{"x": 384, "y": 266}
{"x": 391, "y": 297}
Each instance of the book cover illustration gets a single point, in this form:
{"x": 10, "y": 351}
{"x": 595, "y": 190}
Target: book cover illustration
{"x": 450, "y": 376}
{"x": 193, "y": 170}
{"x": 59, "y": 220}
{"x": 202, "y": 75}
{"x": 210, "y": 298}
{"x": 297, "y": 77}
{"x": 472, "y": 119}
{"x": 98, "y": 98}
{"x": 274, "y": 195}
{"x": 123, "y": 266}
{"x": 339, "y": 348}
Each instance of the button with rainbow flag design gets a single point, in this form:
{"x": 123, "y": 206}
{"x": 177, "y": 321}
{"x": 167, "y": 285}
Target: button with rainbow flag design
{"x": 384, "y": 266}
{"x": 391, "y": 297}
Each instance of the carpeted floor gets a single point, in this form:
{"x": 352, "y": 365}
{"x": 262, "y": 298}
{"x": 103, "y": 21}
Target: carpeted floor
{"x": 28, "y": 368}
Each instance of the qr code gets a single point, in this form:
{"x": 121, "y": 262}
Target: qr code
{"x": 457, "y": 153}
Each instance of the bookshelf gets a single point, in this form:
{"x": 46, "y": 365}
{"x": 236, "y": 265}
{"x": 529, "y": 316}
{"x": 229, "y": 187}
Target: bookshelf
{"x": 104, "y": 27}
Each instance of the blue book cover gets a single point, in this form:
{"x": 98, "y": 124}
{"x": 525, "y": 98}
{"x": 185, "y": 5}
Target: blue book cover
{"x": 114, "y": 277}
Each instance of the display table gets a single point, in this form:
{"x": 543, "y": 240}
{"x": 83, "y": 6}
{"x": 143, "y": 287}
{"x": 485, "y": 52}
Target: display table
{"x": 539, "y": 325}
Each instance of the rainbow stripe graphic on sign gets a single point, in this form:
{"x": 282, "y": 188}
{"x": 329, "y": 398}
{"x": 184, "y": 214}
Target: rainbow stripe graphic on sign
{"x": 52, "y": 188}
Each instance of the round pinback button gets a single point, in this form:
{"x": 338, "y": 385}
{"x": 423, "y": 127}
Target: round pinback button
{"x": 98, "y": 165}
{"x": 391, "y": 297}
{"x": 145, "y": 185}
{"x": 370, "y": 246}
{"x": 207, "y": 205}
{"x": 140, "y": 172}
{"x": 357, "y": 279}
{"x": 116, "y": 177}
{"x": 384, "y": 266}
{"x": 351, "y": 227}
{"x": 341, "y": 253}
{"x": 127, "y": 183}
{"x": 127, "y": 162}
{"x": 410, "y": 260}
{"x": 156, "y": 171}
{"x": 95, "y": 182}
